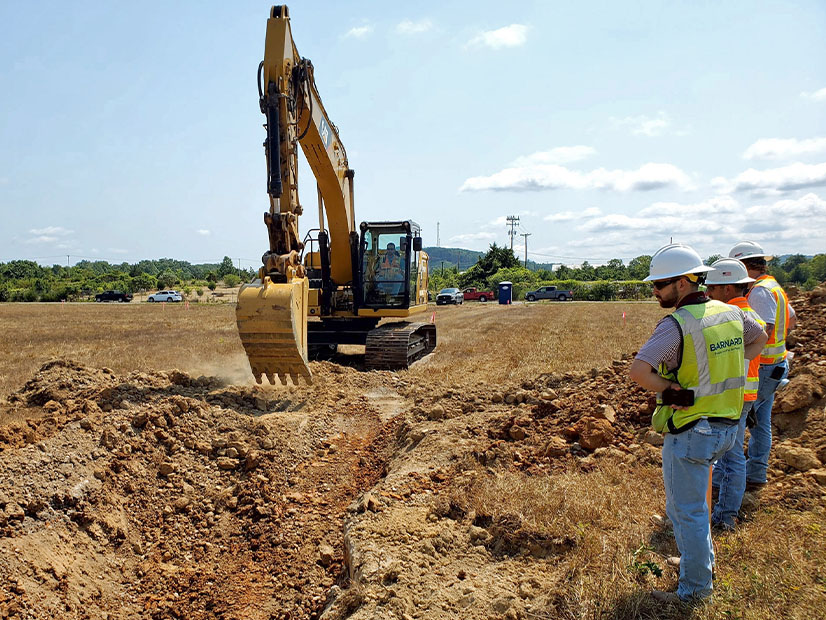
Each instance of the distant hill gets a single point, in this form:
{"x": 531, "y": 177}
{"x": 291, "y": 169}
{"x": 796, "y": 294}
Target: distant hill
{"x": 465, "y": 258}
{"x": 452, "y": 257}
{"x": 784, "y": 257}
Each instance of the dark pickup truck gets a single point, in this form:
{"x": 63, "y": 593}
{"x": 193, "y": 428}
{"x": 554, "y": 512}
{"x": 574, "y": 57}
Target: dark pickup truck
{"x": 549, "y": 292}
{"x": 113, "y": 296}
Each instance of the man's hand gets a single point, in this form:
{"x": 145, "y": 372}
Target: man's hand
{"x": 643, "y": 374}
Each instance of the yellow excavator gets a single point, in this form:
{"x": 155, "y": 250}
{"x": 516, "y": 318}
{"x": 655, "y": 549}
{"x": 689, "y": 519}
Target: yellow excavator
{"x": 333, "y": 286}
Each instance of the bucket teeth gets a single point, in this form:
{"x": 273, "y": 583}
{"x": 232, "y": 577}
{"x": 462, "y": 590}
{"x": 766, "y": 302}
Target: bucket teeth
{"x": 272, "y": 325}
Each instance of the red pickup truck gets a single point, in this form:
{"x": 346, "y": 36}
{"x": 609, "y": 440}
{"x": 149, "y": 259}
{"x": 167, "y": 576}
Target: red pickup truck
{"x": 471, "y": 294}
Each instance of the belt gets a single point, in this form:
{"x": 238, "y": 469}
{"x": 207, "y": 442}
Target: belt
{"x": 689, "y": 425}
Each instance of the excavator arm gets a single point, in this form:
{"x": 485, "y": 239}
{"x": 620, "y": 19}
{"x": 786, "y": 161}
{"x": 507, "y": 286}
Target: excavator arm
{"x": 295, "y": 115}
{"x": 272, "y": 311}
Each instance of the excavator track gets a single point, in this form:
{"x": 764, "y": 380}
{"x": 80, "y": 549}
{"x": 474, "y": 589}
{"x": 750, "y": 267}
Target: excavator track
{"x": 397, "y": 345}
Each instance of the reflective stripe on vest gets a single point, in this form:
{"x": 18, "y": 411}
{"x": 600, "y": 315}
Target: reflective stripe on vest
{"x": 753, "y": 370}
{"x": 711, "y": 364}
{"x": 775, "y": 349}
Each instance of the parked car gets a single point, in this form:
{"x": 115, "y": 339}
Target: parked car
{"x": 549, "y": 292}
{"x": 113, "y": 296}
{"x": 471, "y": 294}
{"x": 449, "y": 296}
{"x": 165, "y": 296}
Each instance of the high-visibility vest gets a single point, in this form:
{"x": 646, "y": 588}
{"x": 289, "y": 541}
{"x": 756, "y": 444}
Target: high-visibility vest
{"x": 711, "y": 364}
{"x": 775, "y": 349}
{"x": 753, "y": 370}
{"x": 390, "y": 266}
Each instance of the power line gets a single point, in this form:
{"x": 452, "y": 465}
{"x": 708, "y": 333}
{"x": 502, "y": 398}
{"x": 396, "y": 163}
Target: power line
{"x": 513, "y": 220}
{"x": 526, "y": 235}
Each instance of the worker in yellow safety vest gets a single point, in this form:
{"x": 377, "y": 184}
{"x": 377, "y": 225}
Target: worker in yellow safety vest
{"x": 769, "y": 300}
{"x": 694, "y": 360}
{"x": 728, "y": 282}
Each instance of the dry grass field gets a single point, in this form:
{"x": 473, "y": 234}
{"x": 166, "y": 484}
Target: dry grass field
{"x": 505, "y": 345}
{"x": 479, "y": 342}
{"x": 572, "y": 536}
{"x": 124, "y": 337}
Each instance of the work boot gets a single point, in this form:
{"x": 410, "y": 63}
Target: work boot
{"x": 666, "y": 597}
{"x": 754, "y": 487}
{"x": 722, "y": 528}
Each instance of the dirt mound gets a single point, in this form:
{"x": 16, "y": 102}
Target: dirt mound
{"x": 162, "y": 495}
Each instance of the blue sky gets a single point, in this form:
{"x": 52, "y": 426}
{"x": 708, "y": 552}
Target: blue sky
{"x": 132, "y": 130}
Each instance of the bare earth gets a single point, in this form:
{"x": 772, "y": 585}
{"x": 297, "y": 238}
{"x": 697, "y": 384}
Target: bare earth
{"x": 509, "y": 475}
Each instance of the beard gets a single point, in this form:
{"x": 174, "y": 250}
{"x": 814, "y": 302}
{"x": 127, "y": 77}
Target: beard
{"x": 667, "y": 302}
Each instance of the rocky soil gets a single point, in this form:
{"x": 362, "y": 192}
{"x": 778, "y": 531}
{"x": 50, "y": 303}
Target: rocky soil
{"x": 163, "y": 495}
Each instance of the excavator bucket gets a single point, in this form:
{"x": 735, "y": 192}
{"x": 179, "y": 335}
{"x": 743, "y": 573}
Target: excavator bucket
{"x": 272, "y": 324}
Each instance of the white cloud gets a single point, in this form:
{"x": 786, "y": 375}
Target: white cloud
{"x": 117, "y": 251}
{"x": 359, "y": 32}
{"x": 479, "y": 236}
{"x": 548, "y": 177}
{"x": 645, "y": 125}
{"x": 48, "y": 234}
{"x": 567, "y": 216}
{"x": 774, "y": 180}
{"x": 410, "y": 27}
{"x": 203, "y": 231}
{"x": 51, "y": 230}
{"x": 558, "y": 155}
{"x": 711, "y": 208}
{"x": 712, "y": 226}
{"x": 514, "y": 35}
{"x": 818, "y": 95}
{"x": 784, "y": 148}
{"x": 562, "y": 216}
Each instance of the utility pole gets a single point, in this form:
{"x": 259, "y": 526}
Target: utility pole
{"x": 526, "y": 235}
{"x": 513, "y": 220}
{"x": 239, "y": 268}
{"x": 67, "y": 260}
{"x": 438, "y": 241}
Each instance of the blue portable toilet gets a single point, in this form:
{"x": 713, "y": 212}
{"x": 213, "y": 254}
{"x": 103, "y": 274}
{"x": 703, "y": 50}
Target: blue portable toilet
{"x": 505, "y": 292}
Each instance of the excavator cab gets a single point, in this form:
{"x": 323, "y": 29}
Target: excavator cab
{"x": 388, "y": 266}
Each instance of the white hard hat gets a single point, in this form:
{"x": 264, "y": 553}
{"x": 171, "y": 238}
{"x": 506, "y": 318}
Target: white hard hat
{"x": 675, "y": 259}
{"x": 748, "y": 249}
{"x": 728, "y": 271}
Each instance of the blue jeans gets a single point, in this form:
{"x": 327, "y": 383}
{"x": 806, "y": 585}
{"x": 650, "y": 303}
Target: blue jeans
{"x": 687, "y": 458}
{"x": 760, "y": 441}
{"x": 730, "y": 476}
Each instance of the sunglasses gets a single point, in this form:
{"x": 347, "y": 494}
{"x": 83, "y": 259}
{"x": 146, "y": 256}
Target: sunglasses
{"x": 661, "y": 284}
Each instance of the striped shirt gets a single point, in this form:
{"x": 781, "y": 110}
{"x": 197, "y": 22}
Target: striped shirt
{"x": 666, "y": 342}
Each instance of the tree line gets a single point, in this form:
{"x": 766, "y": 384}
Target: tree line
{"x": 613, "y": 280}
{"x": 25, "y": 280}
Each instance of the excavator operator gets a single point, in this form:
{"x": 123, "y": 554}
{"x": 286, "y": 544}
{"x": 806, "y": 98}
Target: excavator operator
{"x": 391, "y": 266}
